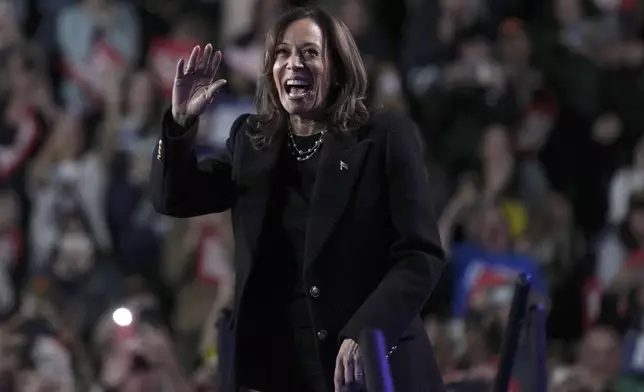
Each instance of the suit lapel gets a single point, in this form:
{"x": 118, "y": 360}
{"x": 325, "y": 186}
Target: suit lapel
{"x": 256, "y": 180}
{"x": 340, "y": 164}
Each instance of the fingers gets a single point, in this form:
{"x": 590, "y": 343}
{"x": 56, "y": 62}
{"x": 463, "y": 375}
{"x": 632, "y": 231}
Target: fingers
{"x": 207, "y": 63}
{"x": 202, "y": 99}
{"x": 214, "y": 65}
{"x": 180, "y": 69}
{"x": 349, "y": 368}
{"x": 358, "y": 372}
{"x": 204, "y": 61}
{"x": 338, "y": 374}
{"x": 213, "y": 88}
{"x": 209, "y": 94}
{"x": 192, "y": 62}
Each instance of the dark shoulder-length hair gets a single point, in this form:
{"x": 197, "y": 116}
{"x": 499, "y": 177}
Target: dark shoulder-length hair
{"x": 345, "y": 106}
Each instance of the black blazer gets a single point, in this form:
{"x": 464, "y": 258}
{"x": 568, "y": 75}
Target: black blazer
{"x": 372, "y": 253}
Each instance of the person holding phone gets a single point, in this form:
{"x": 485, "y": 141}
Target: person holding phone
{"x": 140, "y": 356}
{"x": 332, "y": 213}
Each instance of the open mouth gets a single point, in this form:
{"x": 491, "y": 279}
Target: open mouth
{"x": 297, "y": 88}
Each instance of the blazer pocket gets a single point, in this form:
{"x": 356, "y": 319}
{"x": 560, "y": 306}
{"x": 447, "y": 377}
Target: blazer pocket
{"x": 403, "y": 340}
{"x": 416, "y": 328}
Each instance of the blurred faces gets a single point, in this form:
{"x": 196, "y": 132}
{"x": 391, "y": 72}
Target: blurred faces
{"x": 494, "y": 234}
{"x": 32, "y": 305}
{"x": 302, "y": 70}
{"x": 568, "y": 11}
{"x": 632, "y": 53}
{"x": 268, "y": 12}
{"x": 76, "y": 252}
{"x": 21, "y": 73}
{"x": 354, "y": 15}
{"x": 138, "y": 354}
{"x": 514, "y": 44}
{"x": 600, "y": 353}
{"x": 475, "y": 50}
{"x": 460, "y": 11}
{"x": 607, "y": 128}
{"x": 141, "y": 94}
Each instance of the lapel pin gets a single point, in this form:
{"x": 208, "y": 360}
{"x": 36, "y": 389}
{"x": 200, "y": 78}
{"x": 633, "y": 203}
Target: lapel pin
{"x": 343, "y": 166}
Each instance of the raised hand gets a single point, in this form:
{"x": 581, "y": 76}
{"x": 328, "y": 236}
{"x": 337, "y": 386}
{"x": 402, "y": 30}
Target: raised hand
{"x": 194, "y": 84}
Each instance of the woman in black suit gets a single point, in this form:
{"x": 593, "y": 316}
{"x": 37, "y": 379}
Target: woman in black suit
{"x": 334, "y": 226}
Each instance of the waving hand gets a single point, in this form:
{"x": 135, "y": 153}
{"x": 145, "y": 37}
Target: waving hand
{"x": 195, "y": 83}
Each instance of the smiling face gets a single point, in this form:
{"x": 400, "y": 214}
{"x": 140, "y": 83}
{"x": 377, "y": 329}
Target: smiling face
{"x": 301, "y": 71}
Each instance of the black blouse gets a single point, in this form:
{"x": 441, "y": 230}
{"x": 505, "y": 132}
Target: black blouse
{"x": 278, "y": 290}
{"x": 284, "y": 235}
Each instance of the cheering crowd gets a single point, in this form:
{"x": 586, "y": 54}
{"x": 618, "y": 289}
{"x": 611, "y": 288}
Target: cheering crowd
{"x": 531, "y": 113}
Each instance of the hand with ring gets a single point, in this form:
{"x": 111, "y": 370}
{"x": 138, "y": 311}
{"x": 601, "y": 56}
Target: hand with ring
{"x": 349, "y": 367}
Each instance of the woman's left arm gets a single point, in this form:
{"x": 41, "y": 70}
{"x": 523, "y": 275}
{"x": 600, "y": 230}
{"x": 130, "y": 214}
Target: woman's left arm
{"x": 417, "y": 254}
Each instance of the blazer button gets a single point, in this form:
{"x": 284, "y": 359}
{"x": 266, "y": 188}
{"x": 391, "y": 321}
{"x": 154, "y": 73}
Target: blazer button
{"x": 322, "y": 334}
{"x": 314, "y": 291}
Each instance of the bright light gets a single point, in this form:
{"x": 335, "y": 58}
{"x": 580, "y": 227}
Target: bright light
{"x": 122, "y": 317}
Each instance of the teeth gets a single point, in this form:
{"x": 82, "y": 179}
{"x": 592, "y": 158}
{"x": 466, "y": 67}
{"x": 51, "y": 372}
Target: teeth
{"x": 296, "y": 82}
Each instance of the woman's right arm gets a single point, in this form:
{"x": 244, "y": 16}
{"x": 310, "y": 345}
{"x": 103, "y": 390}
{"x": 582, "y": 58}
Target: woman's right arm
{"x": 179, "y": 185}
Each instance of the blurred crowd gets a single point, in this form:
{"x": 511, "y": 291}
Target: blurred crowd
{"x": 532, "y": 114}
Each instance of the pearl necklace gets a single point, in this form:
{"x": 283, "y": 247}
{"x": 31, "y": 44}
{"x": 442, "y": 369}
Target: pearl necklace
{"x": 303, "y": 155}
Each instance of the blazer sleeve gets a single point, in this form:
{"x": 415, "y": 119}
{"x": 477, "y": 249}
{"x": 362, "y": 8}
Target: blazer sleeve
{"x": 417, "y": 255}
{"x": 182, "y": 187}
